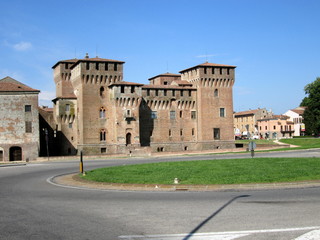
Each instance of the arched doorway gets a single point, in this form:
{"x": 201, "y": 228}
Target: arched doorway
{"x": 128, "y": 139}
{"x": 15, "y": 154}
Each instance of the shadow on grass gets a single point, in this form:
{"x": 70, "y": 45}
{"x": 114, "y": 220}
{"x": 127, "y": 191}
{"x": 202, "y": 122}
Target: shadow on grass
{"x": 212, "y": 216}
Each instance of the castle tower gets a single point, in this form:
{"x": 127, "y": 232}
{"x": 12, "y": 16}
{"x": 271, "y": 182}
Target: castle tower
{"x": 214, "y": 100}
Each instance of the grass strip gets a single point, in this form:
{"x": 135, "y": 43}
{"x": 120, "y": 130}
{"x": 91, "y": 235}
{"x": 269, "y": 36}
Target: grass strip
{"x": 228, "y": 171}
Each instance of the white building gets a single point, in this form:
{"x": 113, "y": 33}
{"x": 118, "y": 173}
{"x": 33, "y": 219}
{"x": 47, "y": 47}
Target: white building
{"x": 296, "y": 117}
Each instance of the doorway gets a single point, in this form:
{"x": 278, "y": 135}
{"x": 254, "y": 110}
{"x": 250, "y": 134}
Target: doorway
{"x": 128, "y": 139}
{"x": 1, "y": 155}
{"x": 15, "y": 154}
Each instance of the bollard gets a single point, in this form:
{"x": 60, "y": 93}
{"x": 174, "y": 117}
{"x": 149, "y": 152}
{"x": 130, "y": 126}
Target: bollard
{"x": 81, "y": 163}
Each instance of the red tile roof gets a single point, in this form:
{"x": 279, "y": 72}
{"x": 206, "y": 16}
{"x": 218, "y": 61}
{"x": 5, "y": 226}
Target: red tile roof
{"x": 151, "y": 86}
{"x": 206, "y": 64}
{"x": 9, "y": 84}
{"x": 166, "y": 75}
{"x": 249, "y": 112}
{"x": 125, "y": 83}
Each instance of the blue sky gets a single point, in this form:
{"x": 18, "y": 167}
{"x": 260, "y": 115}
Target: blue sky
{"x": 274, "y": 44}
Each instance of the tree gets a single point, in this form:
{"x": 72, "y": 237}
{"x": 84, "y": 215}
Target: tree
{"x": 312, "y": 103}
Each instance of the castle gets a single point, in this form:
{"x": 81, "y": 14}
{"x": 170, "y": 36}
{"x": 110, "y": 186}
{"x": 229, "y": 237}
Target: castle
{"x": 97, "y": 112}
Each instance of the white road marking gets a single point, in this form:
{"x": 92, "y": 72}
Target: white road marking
{"x": 224, "y": 235}
{"x": 313, "y": 235}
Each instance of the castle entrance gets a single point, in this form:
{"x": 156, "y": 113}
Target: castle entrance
{"x": 15, "y": 154}
{"x": 128, "y": 139}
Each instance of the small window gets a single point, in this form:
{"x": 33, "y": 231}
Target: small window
{"x": 148, "y": 92}
{"x": 165, "y": 92}
{"x": 27, "y": 108}
{"x": 66, "y": 65}
{"x": 180, "y": 114}
{"x": 216, "y": 93}
{"x": 220, "y": 70}
{"x": 97, "y": 66}
{"x": 173, "y": 93}
{"x": 181, "y": 132}
{"x": 192, "y": 131}
{"x": 205, "y": 70}
{"x": 87, "y": 66}
{"x": 189, "y": 93}
{"x": 157, "y": 92}
{"x": 213, "y": 70}
{"x": 116, "y": 67}
{"x": 122, "y": 89}
{"x": 169, "y": 132}
{"x": 222, "y": 112}
{"x": 165, "y": 83}
{"x": 154, "y": 115}
{"x": 181, "y": 93}
{"x": 193, "y": 114}
{"x": 102, "y": 135}
{"x": 274, "y": 127}
{"x": 106, "y": 67}
{"x": 102, "y": 92}
{"x": 70, "y": 125}
{"x": 132, "y": 89}
{"x": 67, "y": 107}
{"x": 102, "y": 112}
{"x": 216, "y": 133}
{"x": 103, "y": 150}
{"x": 266, "y": 128}
{"x": 228, "y": 71}
{"x": 28, "y": 127}
{"x": 172, "y": 114}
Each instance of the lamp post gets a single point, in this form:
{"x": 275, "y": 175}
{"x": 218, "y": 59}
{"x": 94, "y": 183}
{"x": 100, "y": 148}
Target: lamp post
{"x": 47, "y": 140}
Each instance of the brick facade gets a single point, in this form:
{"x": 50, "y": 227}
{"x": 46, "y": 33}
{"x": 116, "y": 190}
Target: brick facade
{"x": 98, "y": 113}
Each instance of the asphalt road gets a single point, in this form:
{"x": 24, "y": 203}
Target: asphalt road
{"x": 32, "y": 208}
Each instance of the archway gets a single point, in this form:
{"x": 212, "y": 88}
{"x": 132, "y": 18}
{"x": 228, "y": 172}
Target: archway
{"x": 128, "y": 139}
{"x": 15, "y": 154}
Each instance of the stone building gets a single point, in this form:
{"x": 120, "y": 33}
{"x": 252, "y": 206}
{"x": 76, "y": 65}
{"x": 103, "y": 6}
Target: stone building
{"x": 245, "y": 122}
{"x": 19, "y": 121}
{"x": 97, "y": 112}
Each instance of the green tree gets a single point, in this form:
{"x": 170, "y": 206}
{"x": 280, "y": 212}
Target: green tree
{"x": 312, "y": 102}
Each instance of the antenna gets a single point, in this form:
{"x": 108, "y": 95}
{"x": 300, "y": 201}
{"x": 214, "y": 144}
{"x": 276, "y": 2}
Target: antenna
{"x": 167, "y": 67}
{"x": 96, "y": 50}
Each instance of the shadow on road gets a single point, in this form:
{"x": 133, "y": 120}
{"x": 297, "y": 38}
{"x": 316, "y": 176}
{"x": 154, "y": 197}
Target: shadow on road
{"x": 213, "y": 215}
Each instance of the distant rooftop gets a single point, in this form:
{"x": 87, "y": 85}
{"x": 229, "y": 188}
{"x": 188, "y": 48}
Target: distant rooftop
{"x": 9, "y": 84}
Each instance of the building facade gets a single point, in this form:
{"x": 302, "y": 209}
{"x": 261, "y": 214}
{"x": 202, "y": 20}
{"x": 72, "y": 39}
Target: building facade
{"x": 97, "y": 112}
{"x": 246, "y": 122}
{"x": 276, "y": 127}
{"x": 296, "y": 116}
{"x": 19, "y": 121}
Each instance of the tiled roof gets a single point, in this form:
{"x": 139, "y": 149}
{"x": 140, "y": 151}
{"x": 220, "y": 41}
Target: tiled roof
{"x": 275, "y": 117}
{"x": 96, "y": 59}
{"x": 166, "y": 75}
{"x": 166, "y": 87}
{"x": 125, "y": 83}
{"x": 9, "y": 84}
{"x": 249, "y": 112}
{"x": 206, "y": 64}
{"x": 183, "y": 83}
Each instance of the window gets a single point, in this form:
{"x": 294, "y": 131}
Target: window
{"x": 116, "y": 67}
{"x": 148, "y": 92}
{"x": 27, "y": 108}
{"x": 173, "y": 93}
{"x": 216, "y": 93}
{"x": 228, "y": 71}
{"x": 180, "y": 114}
{"x": 165, "y": 83}
{"x": 181, "y": 132}
{"x": 274, "y": 127}
{"x": 181, "y": 93}
{"x": 132, "y": 89}
{"x": 102, "y": 135}
{"x": 266, "y": 127}
{"x": 28, "y": 127}
{"x": 87, "y": 65}
{"x": 67, "y": 107}
{"x": 205, "y": 70}
{"x": 103, "y": 150}
{"x": 97, "y": 66}
{"x": 172, "y": 114}
{"x": 212, "y": 70}
{"x": 189, "y": 93}
{"x": 154, "y": 115}
{"x": 192, "y": 131}
{"x": 70, "y": 125}
{"x": 102, "y": 92}
{"x": 220, "y": 70}
{"x": 157, "y": 92}
{"x": 106, "y": 66}
{"x": 66, "y": 65}
{"x": 122, "y": 89}
{"x": 165, "y": 92}
{"x": 193, "y": 114}
{"x": 222, "y": 112}
{"x": 102, "y": 112}
{"x": 169, "y": 132}
{"x": 216, "y": 133}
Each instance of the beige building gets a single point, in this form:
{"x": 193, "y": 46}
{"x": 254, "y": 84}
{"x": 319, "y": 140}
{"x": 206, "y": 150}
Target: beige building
{"x": 19, "y": 121}
{"x": 296, "y": 116}
{"x": 97, "y": 112}
{"x": 245, "y": 122}
{"x": 276, "y": 127}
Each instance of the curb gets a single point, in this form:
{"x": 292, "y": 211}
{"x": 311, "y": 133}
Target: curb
{"x": 74, "y": 181}
{"x": 13, "y": 165}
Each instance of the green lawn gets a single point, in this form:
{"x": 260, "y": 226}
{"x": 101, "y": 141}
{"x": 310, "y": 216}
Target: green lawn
{"x": 303, "y": 143}
{"x": 257, "y": 141}
{"x": 230, "y": 171}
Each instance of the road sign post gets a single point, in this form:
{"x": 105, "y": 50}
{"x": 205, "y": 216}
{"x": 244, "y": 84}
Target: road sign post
{"x": 252, "y": 147}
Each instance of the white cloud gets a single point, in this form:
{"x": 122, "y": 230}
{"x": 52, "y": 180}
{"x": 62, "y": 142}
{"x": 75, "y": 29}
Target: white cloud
{"x": 22, "y": 46}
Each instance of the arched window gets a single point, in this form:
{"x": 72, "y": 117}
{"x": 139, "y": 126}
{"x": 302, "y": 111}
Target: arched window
{"x": 216, "y": 93}
{"x": 102, "y": 135}
{"x": 102, "y": 92}
{"x": 102, "y": 112}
